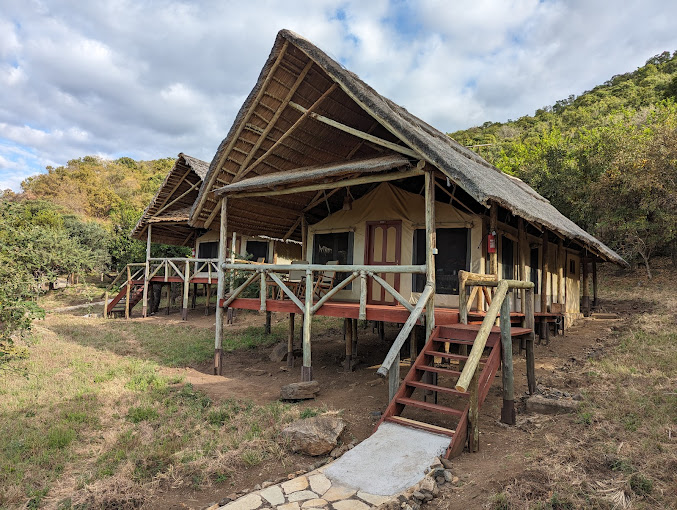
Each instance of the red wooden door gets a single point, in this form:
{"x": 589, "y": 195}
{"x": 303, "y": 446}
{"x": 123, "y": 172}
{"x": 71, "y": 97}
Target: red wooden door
{"x": 383, "y": 247}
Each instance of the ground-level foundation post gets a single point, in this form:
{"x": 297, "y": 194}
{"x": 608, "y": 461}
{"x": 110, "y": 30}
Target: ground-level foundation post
{"x": 507, "y": 374}
{"x": 290, "y": 342}
{"x": 307, "y": 368}
{"x": 268, "y": 326}
{"x": 218, "y": 337}
{"x": 348, "y": 326}
{"x": 474, "y": 414}
{"x": 186, "y": 289}
{"x": 128, "y": 292}
{"x": 354, "y": 337}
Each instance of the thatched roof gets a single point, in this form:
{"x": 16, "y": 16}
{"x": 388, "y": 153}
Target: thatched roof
{"x": 169, "y": 210}
{"x": 272, "y": 134}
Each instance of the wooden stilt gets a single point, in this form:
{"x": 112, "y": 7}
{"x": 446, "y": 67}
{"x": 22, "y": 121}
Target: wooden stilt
{"x": 307, "y": 368}
{"x": 529, "y": 323}
{"x": 348, "y": 325}
{"x": 381, "y": 331}
{"x": 508, "y": 409}
{"x": 146, "y": 273}
{"x": 290, "y": 342}
{"x": 354, "y": 326}
{"x": 413, "y": 344}
{"x": 218, "y": 338}
{"x": 267, "y": 328}
{"x": 473, "y": 415}
{"x": 193, "y": 301}
{"x": 208, "y": 297}
{"x": 169, "y": 298}
{"x": 186, "y": 289}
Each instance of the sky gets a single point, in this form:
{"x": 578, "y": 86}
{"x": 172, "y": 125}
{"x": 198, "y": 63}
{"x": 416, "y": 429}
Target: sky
{"x": 152, "y": 78}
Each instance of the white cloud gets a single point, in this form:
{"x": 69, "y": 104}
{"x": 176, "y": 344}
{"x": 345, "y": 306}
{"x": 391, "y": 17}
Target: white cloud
{"x": 150, "y": 79}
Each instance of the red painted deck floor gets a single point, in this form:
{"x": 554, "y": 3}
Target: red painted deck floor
{"x": 385, "y": 313}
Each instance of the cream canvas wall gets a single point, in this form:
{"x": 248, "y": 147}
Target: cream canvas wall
{"x": 285, "y": 257}
{"x": 387, "y": 202}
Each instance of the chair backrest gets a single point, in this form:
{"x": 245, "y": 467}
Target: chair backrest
{"x": 298, "y": 274}
{"x": 328, "y": 275}
{"x": 260, "y": 260}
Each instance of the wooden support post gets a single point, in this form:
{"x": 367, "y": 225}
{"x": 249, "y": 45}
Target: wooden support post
{"x": 594, "y": 283}
{"x": 545, "y": 272}
{"x": 146, "y": 273}
{"x": 169, "y": 298}
{"x": 381, "y": 331}
{"x": 186, "y": 288}
{"x": 267, "y": 329}
{"x": 493, "y": 226}
{"x": 304, "y": 238}
{"x": 105, "y": 305}
{"x": 508, "y": 409}
{"x": 523, "y": 249}
{"x": 561, "y": 262}
{"x": 128, "y": 292}
{"x": 474, "y": 414}
{"x": 394, "y": 377}
{"x": 463, "y": 314}
{"x": 348, "y": 325}
{"x": 307, "y": 368}
{"x": 218, "y": 337}
{"x": 354, "y": 327}
{"x": 413, "y": 344}
{"x": 529, "y": 323}
{"x": 363, "y": 296}
{"x": 290, "y": 342}
{"x": 431, "y": 251}
{"x": 585, "y": 302}
{"x": 208, "y": 297}
{"x": 193, "y": 299}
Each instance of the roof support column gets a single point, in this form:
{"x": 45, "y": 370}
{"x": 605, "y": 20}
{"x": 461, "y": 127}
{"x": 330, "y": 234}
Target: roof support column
{"x": 523, "y": 247}
{"x": 231, "y": 287}
{"x": 146, "y": 272}
{"x": 218, "y": 336}
{"x": 493, "y": 225}
{"x": 431, "y": 242}
{"x": 586, "y": 287}
{"x": 304, "y": 238}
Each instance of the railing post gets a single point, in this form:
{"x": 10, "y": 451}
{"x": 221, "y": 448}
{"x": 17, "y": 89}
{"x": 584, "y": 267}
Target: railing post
{"x": 263, "y": 292}
{"x": 394, "y": 377}
{"x": 529, "y": 323}
{"x": 186, "y": 287}
{"x": 363, "y": 296}
{"x": 508, "y": 409}
{"x": 474, "y": 414}
{"x": 146, "y": 274}
{"x": 307, "y": 368}
{"x": 128, "y": 293}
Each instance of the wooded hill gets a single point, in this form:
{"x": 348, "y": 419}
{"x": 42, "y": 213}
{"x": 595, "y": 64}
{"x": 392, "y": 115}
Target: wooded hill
{"x": 607, "y": 158}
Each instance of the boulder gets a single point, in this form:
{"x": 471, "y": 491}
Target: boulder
{"x": 300, "y": 390}
{"x": 542, "y": 405}
{"x": 279, "y": 353}
{"x": 314, "y": 436}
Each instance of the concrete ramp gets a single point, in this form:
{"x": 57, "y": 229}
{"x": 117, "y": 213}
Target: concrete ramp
{"x": 390, "y": 461}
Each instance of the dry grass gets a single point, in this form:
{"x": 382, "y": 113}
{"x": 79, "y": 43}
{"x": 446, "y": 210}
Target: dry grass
{"x": 98, "y": 423}
{"x": 620, "y": 451}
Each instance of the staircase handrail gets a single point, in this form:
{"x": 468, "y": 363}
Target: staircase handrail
{"x": 428, "y": 291}
{"x": 471, "y": 364}
{"x": 124, "y": 272}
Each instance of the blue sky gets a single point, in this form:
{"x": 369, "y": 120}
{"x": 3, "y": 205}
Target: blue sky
{"x": 150, "y": 79}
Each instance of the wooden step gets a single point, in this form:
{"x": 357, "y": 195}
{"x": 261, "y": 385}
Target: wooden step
{"x": 446, "y": 371}
{"x": 447, "y": 355}
{"x": 434, "y": 387}
{"x": 420, "y": 425}
{"x": 429, "y": 406}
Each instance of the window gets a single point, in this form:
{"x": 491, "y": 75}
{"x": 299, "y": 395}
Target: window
{"x": 452, "y": 257}
{"x": 572, "y": 267}
{"x": 334, "y": 246}
{"x": 507, "y": 258}
{"x": 533, "y": 264}
{"x": 258, "y": 250}
{"x": 208, "y": 250}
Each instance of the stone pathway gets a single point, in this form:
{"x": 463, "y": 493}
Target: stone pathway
{"x": 399, "y": 474}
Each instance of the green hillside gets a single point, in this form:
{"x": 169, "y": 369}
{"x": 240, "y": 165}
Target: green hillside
{"x": 607, "y": 158}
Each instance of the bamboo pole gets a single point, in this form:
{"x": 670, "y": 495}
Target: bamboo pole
{"x": 307, "y": 368}
{"x": 146, "y": 272}
{"x": 530, "y": 323}
{"x": 128, "y": 291}
{"x": 507, "y": 373}
{"x": 186, "y": 287}
{"x": 218, "y": 337}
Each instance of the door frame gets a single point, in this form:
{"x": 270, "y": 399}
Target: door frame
{"x": 369, "y": 260}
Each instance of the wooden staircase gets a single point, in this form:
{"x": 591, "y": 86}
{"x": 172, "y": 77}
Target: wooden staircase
{"x": 118, "y": 304}
{"x": 427, "y": 399}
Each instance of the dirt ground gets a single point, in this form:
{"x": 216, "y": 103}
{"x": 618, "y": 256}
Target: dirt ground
{"x": 504, "y": 451}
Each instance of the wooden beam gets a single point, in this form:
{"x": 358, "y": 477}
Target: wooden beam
{"x": 218, "y": 337}
{"x": 291, "y": 230}
{"x": 176, "y": 186}
{"x": 523, "y": 247}
{"x": 431, "y": 251}
{"x": 237, "y": 133}
{"x": 507, "y": 373}
{"x": 288, "y": 131}
{"x": 544, "y": 273}
{"x": 493, "y": 227}
{"x": 319, "y": 198}
{"x": 381, "y": 177}
{"x": 453, "y": 198}
{"x": 211, "y": 217}
{"x": 271, "y": 124}
{"x": 356, "y": 132}
{"x": 195, "y": 185}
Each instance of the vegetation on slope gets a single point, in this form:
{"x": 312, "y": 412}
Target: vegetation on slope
{"x": 607, "y": 159}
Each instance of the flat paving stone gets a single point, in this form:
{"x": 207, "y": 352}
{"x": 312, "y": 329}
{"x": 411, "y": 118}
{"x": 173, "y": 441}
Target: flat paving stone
{"x": 372, "y": 499}
{"x": 248, "y": 502}
{"x": 319, "y": 483}
{"x": 295, "y": 485}
{"x": 338, "y": 492}
{"x": 289, "y": 506}
{"x": 350, "y": 504}
{"x": 314, "y": 503}
{"x": 273, "y": 495}
{"x": 301, "y": 496}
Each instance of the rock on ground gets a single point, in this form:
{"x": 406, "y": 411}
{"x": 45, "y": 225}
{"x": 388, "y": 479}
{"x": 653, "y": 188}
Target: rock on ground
{"x": 314, "y": 436}
{"x": 542, "y": 405}
{"x": 300, "y": 390}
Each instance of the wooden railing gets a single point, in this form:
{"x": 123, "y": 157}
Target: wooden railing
{"x": 469, "y": 378}
{"x": 308, "y": 307}
{"x": 131, "y": 276}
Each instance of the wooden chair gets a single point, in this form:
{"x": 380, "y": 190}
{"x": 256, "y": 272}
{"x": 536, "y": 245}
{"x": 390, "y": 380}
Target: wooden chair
{"x": 297, "y": 279}
{"x": 325, "y": 280}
